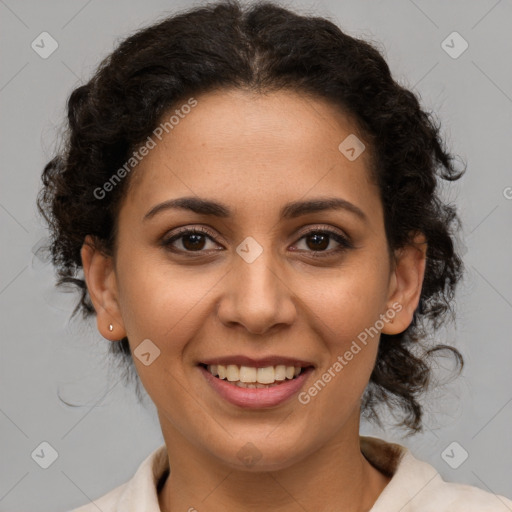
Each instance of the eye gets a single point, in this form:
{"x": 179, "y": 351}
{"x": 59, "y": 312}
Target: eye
{"x": 320, "y": 239}
{"x": 195, "y": 239}
{"x": 191, "y": 240}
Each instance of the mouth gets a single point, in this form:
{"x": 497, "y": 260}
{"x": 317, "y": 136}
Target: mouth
{"x": 262, "y": 384}
{"x": 252, "y": 377}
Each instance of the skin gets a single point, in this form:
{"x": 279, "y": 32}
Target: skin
{"x": 255, "y": 153}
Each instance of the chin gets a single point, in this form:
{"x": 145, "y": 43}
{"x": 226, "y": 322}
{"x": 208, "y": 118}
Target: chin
{"x": 259, "y": 454}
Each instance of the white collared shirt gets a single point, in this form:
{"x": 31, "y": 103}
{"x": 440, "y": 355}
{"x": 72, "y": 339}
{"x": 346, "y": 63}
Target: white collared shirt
{"x": 415, "y": 486}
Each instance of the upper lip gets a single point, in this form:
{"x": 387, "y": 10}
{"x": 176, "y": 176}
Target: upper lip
{"x": 262, "y": 362}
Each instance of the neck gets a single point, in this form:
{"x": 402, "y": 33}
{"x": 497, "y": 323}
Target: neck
{"x": 334, "y": 477}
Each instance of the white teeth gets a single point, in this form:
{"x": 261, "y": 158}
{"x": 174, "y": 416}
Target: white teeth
{"x": 266, "y": 375}
{"x": 250, "y": 377}
{"x": 247, "y": 374}
{"x": 280, "y": 372}
{"x": 221, "y": 370}
{"x": 254, "y": 386}
{"x": 232, "y": 373}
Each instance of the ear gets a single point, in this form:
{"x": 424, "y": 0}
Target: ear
{"x": 101, "y": 283}
{"x": 406, "y": 283}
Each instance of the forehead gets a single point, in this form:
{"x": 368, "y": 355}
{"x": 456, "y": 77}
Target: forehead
{"x": 254, "y": 151}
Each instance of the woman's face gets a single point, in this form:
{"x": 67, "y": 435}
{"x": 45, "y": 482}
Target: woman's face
{"x": 254, "y": 289}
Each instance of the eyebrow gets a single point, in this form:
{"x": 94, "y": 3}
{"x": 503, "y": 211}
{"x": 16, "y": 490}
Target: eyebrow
{"x": 288, "y": 211}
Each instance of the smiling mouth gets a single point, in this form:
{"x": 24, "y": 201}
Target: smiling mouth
{"x": 252, "y": 377}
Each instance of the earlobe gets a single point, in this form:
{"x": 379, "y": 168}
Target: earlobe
{"x": 101, "y": 284}
{"x": 406, "y": 282}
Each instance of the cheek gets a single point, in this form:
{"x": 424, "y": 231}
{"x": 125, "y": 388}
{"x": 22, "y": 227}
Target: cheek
{"x": 160, "y": 301}
{"x": 347, "y": 303}
{"x": 351, "y": 340}
{"x": 346, "y": 310}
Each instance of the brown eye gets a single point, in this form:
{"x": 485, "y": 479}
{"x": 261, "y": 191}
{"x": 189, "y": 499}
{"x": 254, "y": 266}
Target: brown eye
{"x": 317, "y": 241}
{"x": 320, "y": 242}
{"x": 192, "y": 240}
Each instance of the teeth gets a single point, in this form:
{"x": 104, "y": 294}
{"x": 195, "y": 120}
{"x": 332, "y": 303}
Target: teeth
{"x": 280, "y": 372}
{"x": 221, "y": 370}
{"x": 254, "y": 386}
{"x": 232, "y": 373}
{"x": 247, "y": 374}
{"x": 250, "y": 377}
{"x": 266, "y": 375}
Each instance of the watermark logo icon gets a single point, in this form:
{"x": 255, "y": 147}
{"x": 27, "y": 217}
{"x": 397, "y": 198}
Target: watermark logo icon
{"x": 351, "y": 147}
{"x": 249, "y": 454}
{"x": 147, "y": 352}
{"x": 44, "y": 45}
{"x": 454, "y": 455}
{"x": 454, "y": 45}
{"x": 249, "y": 249}
{"x": 41, "y": 253}
{"x": 45, "y": 455}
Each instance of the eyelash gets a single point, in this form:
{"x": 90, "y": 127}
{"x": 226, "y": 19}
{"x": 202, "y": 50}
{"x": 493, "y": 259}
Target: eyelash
{"x": 343, "y": 241}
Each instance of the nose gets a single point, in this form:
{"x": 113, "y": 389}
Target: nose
{"x": 257, "y": 295}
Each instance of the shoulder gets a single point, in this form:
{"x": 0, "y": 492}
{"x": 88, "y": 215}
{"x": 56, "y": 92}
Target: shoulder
{"x": 416, "y": 486}
{"x": 107, "y": 503}
{"x": 138, "y": 493}
{"x": 427, "y": 491}
{"x": 454, "y": 497}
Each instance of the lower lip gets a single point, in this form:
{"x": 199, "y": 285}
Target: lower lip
{"x": 258, "y": 397}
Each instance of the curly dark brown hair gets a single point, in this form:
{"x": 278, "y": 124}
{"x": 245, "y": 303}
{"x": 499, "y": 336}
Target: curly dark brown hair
{"x": 263, "y": 47}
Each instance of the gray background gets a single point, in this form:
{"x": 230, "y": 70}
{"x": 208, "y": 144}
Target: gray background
{"x": 101, "y": 441}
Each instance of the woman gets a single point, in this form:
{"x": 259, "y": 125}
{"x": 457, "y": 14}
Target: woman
{"x": 252, "y": 200}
